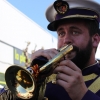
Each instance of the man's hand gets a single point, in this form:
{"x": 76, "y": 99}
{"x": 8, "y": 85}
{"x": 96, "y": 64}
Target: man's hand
{"x": 69, "y": 76}
{"x": 48, "y": 53}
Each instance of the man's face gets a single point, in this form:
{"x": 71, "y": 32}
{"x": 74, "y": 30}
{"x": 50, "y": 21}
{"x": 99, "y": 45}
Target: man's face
{"x": 76, "y": 34}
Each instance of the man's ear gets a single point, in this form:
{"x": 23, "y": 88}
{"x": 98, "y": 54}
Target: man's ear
{"x": 95, "y": 40}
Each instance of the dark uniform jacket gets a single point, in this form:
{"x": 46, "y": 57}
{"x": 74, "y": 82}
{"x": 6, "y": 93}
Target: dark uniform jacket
{"x": 91, "y": 77}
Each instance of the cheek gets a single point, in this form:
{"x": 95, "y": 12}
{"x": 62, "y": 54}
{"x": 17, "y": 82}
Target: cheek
{"x": 82, "y": 42}
{"x": 60, "y": 43}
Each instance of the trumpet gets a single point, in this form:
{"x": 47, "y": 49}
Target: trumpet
{"x": 24, "y": 82}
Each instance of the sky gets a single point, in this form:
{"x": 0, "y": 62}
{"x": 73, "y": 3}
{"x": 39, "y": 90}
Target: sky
{"x": 35, "y": 10}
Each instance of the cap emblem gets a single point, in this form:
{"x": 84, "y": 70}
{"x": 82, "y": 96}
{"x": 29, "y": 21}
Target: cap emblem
{"x": 61, "y": 7}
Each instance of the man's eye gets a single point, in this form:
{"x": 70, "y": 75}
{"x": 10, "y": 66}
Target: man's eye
{"x": 75, "y": 32}
{"x": 61, "y": 34}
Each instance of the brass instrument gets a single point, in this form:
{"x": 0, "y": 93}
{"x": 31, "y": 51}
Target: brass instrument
{"x": 23, "y": 82}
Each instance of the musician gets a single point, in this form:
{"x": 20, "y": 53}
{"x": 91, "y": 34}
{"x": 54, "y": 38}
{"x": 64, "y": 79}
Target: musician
{"x": 78, "y": 73}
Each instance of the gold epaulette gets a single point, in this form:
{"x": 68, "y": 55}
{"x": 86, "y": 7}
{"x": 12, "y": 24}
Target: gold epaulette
{"x": 95, "y": 85}
{"x": 52, "y": 78}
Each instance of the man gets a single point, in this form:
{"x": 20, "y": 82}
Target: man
{"x": 77, "y": 24}
{"x": 74, "y": 27}
{"x": 78, "y": 74}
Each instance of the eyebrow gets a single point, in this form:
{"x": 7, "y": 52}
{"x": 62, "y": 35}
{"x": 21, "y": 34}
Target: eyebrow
{"x": 72, "y": 27}
{"x": 59, "y": 29}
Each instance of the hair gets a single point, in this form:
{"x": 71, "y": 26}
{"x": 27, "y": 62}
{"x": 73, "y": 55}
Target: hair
{"x": 92, "y": 25}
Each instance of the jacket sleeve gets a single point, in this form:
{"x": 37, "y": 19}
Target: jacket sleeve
{"x": 90, "y": 96}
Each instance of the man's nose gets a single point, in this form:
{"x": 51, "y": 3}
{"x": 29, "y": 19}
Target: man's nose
{"x": 67, "y": 39}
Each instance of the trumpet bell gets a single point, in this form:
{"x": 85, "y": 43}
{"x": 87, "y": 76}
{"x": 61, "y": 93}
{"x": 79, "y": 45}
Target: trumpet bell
{"x": 20, "y": 82}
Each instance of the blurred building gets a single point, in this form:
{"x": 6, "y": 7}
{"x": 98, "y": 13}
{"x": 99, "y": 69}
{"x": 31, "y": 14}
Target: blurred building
{"x": 16, "y": 29}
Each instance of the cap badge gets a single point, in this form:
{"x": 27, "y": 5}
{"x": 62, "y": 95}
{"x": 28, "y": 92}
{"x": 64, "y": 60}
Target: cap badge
{"x": 61, "y": 6}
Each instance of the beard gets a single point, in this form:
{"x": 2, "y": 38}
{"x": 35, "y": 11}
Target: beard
{"x": 82, "y": 55}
